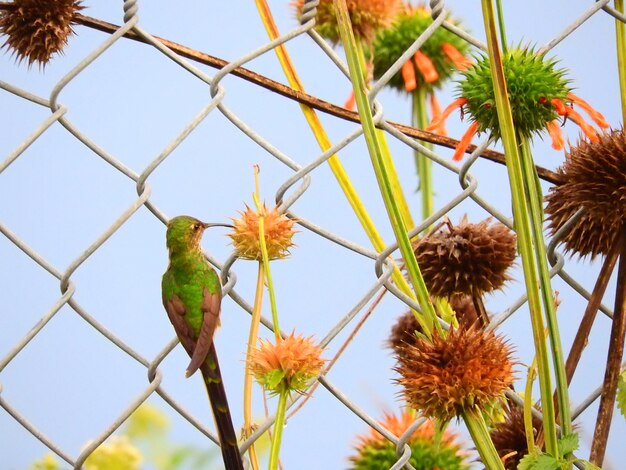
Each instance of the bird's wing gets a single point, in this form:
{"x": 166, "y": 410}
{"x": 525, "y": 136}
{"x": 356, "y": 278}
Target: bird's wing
{"x": 211, "y": 305}
{"x": 176, "y": 311}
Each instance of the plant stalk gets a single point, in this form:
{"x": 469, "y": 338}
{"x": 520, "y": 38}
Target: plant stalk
{"x": 279, "y": 424}
{"x": 620, "y": 33}
{"x": 247, "y": 383}
{"x": 423, "y": 164}
{"x": 613, "y": 362}
{"x": 482, "y": 440}
{"x": 378, "y": 150}
{"x": 522, "y": 224}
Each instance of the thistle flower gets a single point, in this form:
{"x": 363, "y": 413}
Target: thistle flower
{"x": 289, "y": 365}
{"x": 115, "y": 454}
{"x": 509, "y": 436}
{"x": 37, "y": 29}
{"x": 468, "y": 369}
{"x": 373, "y": 451}
{"x": 278, "y": 234}
{"x": 367, "y": 17}
{"x": 431, "y": 65}
{"x": 594, "y": 175}
{"x": 539, "y": 94}
{"x": 466, "y": 259}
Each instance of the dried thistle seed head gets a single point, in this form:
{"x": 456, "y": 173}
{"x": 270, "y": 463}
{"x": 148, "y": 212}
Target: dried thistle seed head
{"x": 468, "y": 369}
{"x": 595, "y": 181}
{"x": 439, "y": 56}
{"x": 509, "y": 436}
{"x": 37, "y": 29}
{"x": 467, "y": 258}
{"x": 278, "y": 234}
{"x": 367, "y": 17}
{"x": 289, "y": 365}
{"x": 374, "y": 451}
{"x": 404, "y": 330}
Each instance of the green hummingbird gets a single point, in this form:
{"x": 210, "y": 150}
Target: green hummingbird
{"x": 192, "y": 296}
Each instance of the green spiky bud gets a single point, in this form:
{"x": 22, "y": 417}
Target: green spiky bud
{"x": 428, "y": 451}
{"x": 392, "y": 42}
{"x": 532, "y": 82}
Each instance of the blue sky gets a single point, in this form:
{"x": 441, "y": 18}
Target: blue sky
{"x": 59, "y": 196}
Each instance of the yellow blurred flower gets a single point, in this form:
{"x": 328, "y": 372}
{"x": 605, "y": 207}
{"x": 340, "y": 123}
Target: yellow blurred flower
{"x": 115, "y": 454}
{"x": 146, "y": 421}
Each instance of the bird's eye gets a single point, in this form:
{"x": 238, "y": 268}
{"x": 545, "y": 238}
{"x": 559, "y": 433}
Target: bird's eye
{"x": 196, "y": 226}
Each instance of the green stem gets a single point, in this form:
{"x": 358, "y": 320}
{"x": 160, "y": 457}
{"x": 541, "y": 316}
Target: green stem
{"x": 522, "y": 225}
{"x": 528, "y": 406}
{"x": 423, "y": 164}
{"x": 378, "y": 150}
{"x": 482, "y": 440}
{"x": 277, "y": 436}
{"x": 268, "y": 275}
{"x": 620, "y": 32}
{"x": 501, "y": 25}
{"x": 535, "y": 198}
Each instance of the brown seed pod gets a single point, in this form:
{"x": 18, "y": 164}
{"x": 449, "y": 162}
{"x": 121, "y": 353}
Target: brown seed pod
{"x": 509, "y": 436}
{"x": 37, "y": 29}
{"x": 595, "y": 181}
{"x": 467, "y": 259}
{"x": 468, "y": 369}
{"x": 404, "y": 329}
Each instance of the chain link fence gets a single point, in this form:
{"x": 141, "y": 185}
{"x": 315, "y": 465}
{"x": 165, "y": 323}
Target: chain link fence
{"x": 100, "y": 228}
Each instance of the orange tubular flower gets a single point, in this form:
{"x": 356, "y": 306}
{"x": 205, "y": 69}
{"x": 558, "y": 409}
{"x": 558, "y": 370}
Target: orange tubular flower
{"x": 408, "y": 75}
{"x": 460, "y": 61}
{"x": 556, "y": 134}
{"x": 465, "y": 141}
{"x": 426, "y": 67}
{"x": 350, "y": 102}
{"x": 435, "y": 110}
{"x": 566, "y": 111}
{"x": 597, "y": 117}
{"x": 438, "y": 121}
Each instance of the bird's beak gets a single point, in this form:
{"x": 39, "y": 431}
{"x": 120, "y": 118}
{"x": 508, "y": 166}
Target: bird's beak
{"x": 208, "y": 225}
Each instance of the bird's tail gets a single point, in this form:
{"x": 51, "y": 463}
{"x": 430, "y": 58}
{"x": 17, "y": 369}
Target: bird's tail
{"x": 221, "y": 412}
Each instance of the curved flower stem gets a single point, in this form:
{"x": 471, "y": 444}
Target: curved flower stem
{"x": 423, "y": 164}
{"x": 480, "y": 436}
{"x": 279, "y": 424}
{"x": 324, "y": 142}
{"x": 620, "y": 33}
{"x": 247, "y": 383}
{"x": 528, "y": 406}
{"x": 522, "y": 225}
{"x": 379, "y": 154}
{"x": 501, "y": 25}
{"x": 535, "y": 199}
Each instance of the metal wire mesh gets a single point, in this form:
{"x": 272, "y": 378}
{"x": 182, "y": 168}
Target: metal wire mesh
{"x": 295, "y": 185}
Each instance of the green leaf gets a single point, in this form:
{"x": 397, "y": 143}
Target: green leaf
{"x": 621, "y": 393}
{"x": 568, "y": 444}
{"x": 273, "y": 378}
{"x": 539, "y": 462}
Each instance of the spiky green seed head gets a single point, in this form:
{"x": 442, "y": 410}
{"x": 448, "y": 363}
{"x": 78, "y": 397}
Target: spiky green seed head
{"x": 392, "y": 42}
{"x": 532, "y": 82}
{"x": 375, "y": 452}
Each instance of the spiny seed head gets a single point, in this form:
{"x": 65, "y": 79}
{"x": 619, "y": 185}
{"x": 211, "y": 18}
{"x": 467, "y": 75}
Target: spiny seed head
{"x": 289, "y": 365}
{"x": 468, "y": 369}
{"x": 466, "y": 258}
{"x": 594, "y": 176}
{"x": 375, "y": 452}
{"x": 404, "y": 330}
{"x": 509, "y": 436}
{"x": 278, "y": 234}
{"x": 37, "y": 29}
{"x": 392, "y": 42}
{"x": 532, "y": 82}
{"x": 367, "y": 17}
